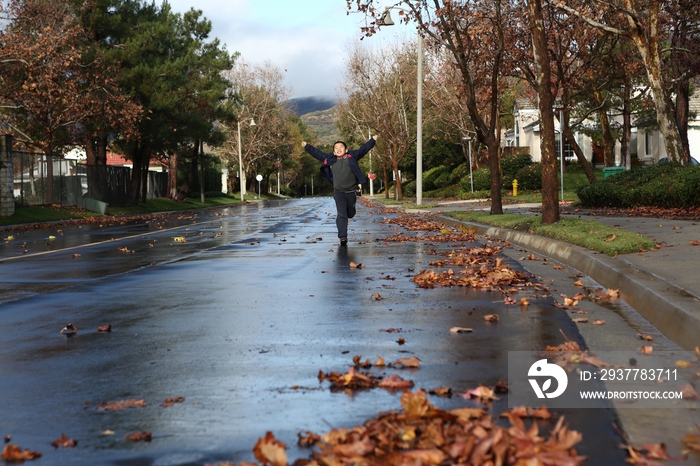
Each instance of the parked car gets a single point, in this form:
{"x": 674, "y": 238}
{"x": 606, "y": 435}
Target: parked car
{"x": 666, "y": 160}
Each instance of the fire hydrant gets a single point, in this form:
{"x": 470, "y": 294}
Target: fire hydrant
{"x": 515, "y": 187}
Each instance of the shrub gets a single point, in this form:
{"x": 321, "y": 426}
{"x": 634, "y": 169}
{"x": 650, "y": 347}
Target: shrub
{"x": 443, "y": 180}
{"x": 530, "y": 177}
{"x": 409, "y": 189}
{"x": 482, "y": 180}
{"x": 510, "y": 166}
{"x": 431, "y": 175}
{"x": 459, "y": 173}
{"x": 664, "y": 185}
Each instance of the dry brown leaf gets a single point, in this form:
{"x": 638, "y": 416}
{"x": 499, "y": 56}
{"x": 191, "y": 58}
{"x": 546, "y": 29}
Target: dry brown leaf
{"x": 599, "y": 322}
{"x": 380, "y": 362}
{"x": 269, "y": 450}
{"x": 64, "y": 442}
{"x": 647, "y": 350}
{"x": 491, "y": 318}
{"x": 694, "y": 242}
{"x": 395, "y": 382}
{"x": 441, "y": 391}
{"x": 105, "y": 328}
{"x": 375, "y": 297}
{"x": 355, "y": 266}
{"x": 14, "y": 454}
{"x": 645, "y": 337}
{"x": 121, "y": 405}
{"x": 171, "y": 401}
{"x": 483, "y": 394}
{"x": 401, "y": 341}
{"x": 524, "y": 302}
{"x": 411, "y": 361}
{"x": 578, "y": 283}
{"x": 142, "y": 436}
{"x": 580, "y": 320}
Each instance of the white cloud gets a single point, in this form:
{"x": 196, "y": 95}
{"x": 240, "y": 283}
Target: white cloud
{"x": 307, "y": 38}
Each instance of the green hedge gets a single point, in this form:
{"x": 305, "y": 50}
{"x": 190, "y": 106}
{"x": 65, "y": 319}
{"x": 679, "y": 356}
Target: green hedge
{"x": 511, "y": 165}
{"x": 664, "y": 185}
{"x": 430, "y": 177}
{"x": 529, "y": 177}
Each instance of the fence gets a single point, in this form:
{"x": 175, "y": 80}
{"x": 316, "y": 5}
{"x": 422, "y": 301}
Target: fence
{"x": 40, "y": 179}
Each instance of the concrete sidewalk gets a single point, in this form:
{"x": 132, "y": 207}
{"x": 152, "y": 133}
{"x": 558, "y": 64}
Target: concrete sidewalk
{"x": 663, "y": 285}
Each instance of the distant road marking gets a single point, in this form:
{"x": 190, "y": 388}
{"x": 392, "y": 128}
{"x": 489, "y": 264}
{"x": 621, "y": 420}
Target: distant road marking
{"x": 35, "y": 254}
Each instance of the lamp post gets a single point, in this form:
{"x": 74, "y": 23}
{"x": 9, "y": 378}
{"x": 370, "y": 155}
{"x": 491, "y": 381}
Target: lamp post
{"x": 240, "y": 156}
{"x": 385, "y": 20}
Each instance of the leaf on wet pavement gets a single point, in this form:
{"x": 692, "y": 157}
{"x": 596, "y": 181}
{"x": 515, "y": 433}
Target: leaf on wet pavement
{"x": 689, "y": 392}
{"x": 524, "y": 302}
{"x": 599, "y": 322}
{"x": 356, "y": 360}
{"x": 441, "y": 391}
{"x": 64, "y": 442}
{"x": 121, "y": 405}
{"x": 171, "y": 401}
{"x": 355, "y": 266}
{"x": 105, "y": 328}
{"x": 460, "y": 330}
{"x": 269, "y": 450}
{"x": 401, "y": 341}
{"x": 307, "y": 439}
{"x": 491, "y": 318}
{"x": 411, "y": 361}
{"x": 579, "y": 283}
{"x": 481, "y": 393}
{"x": 395, "y": 382}
{"x": 645, "y": 337}
{"x": 580, "y": 320}
{"x": 380, "y": 362}
{"x": 694, "y": 242}
{"x": 14, "y": 454}
{"x": 647, "y": 350}
{"x": 142, "y": 436}
{"x": 375, "y": 297}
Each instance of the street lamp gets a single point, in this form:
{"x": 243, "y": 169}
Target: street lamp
{"x": 385, "y": 20}
{"x": 240, "y": 155}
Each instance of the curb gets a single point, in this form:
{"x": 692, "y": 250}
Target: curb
{"x": 670, "y": 309}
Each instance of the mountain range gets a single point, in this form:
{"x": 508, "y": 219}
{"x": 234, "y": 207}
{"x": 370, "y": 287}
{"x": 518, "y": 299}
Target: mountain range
{"x": 319, "y": 114}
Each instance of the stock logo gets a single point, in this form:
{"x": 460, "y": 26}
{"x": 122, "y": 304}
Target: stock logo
{"x": 543, "y": 369}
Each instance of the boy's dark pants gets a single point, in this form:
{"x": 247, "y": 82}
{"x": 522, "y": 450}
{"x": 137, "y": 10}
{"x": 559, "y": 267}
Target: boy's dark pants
{"x": 345, "y": 205}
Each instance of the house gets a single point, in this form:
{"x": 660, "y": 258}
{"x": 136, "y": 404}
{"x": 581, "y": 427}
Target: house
{"x": 648, "y": 145}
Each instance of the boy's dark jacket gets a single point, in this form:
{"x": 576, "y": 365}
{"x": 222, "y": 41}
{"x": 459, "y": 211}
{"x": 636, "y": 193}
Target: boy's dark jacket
{"x": 329, "y": 159}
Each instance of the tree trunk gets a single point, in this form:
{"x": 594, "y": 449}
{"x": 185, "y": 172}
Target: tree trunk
{"x": 172, "y": 176}
{"x": 649, "y": 50}
{"x": 495, "y": 168}
{"x": 136, "y": 174}
{"x": 682, "y": 111}
{"x": 587, "y": 168}
{"x": 625, "y": 140}
{"x": 550, "y": 197}
{"x": 144, "y": 181}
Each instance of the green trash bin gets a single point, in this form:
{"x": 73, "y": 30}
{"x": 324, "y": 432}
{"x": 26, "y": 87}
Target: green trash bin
{"x": 610, "y": 171}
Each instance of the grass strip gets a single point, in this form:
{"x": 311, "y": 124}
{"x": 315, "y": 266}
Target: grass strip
{"x": 585, "y": 233}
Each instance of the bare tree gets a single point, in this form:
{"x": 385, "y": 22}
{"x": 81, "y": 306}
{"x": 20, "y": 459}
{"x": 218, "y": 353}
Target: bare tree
{"x": 257, "y": 93}
{"x": 381, "y": 86}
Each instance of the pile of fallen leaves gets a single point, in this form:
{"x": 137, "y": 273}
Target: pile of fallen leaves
{"x": 482, "y": 271}
{"x": 355, "y": 379}
{"x": 421, "y": 434}
{"x": 415, "y": 222}
{"x": 464, "y": 237}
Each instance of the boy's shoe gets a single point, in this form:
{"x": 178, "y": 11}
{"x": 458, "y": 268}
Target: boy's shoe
{"x": 344, "y": 241}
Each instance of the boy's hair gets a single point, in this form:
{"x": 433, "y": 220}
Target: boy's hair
{"x": 340, "y": 142}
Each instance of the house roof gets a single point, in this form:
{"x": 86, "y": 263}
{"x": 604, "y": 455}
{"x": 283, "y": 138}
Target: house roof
{"x": 534, "y": 126}
{"x": 117, "y": 159}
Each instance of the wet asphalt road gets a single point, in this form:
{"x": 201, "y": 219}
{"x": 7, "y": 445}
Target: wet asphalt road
{"x": 257, "y": 300}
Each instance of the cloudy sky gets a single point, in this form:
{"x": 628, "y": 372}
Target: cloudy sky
{"x": 307, "y": 38}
